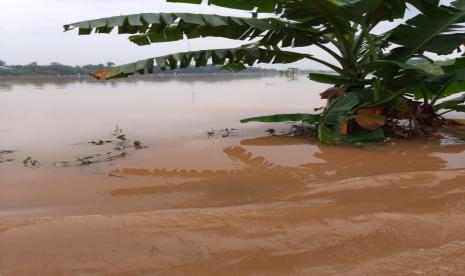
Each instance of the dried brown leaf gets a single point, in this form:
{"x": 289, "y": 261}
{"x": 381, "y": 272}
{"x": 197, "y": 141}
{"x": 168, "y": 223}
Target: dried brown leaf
{"x": 332, "y": 93}
{"x": 370, "y": 121}
{"x": 102, "y": 74}
{"x": 345, "y": 127}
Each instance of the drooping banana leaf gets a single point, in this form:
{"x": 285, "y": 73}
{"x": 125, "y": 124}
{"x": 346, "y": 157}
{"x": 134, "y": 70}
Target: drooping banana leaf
{"x": 310, "y": 118}
{"x": 380, "y": 63}
{"x": 336, "y": 18}
{"x": 323, "y": 16}
{"x": 456, "y": 69}
{"x": 408, "y": 76}
{"x": 453, "y": 79}
{"x": 416, "y": 80}
{"x": 438, "y": 30}
{"x": 266, "y": 6}
{"x": 143, "y": 22}
{"x": 390, "y": 9}
{"x": 201, "y": 58}
{"x": 452, "y": 104}
{"x": 165, "y": 27}
{"x": 336, "y": 79}
{"x": 424, "y": 5}
{"x": 269, "y": 31}
{"x": 276, "y": 6}
{"x": 459, "y": 108}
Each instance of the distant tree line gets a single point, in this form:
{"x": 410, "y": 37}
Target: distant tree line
{"x": 58, "y": 69}
{"x": 53, "y": 69}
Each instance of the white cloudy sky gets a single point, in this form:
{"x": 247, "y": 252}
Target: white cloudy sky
{"x": 31, "y": 30}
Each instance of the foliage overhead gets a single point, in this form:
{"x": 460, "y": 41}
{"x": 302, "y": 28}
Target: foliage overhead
{"x": 234, "y": 57}
{"x": 376, "y": 82}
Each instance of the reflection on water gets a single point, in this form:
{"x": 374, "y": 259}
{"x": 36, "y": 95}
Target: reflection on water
{"x": 256, "y": 179}
{"x": 15, "y": 83}
{"x": 149, "y": 108}
{"x": 245, "y": 204}
{"x": 347, "y": 211}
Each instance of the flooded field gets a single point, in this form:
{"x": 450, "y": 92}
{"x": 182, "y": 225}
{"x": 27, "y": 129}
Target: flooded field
{"x": 203, "y": 194}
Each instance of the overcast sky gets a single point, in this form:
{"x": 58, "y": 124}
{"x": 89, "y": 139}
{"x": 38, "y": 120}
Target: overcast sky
{"x": 31, "y": 30}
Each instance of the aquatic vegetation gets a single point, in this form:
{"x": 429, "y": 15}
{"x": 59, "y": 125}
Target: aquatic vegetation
{"x": 121, "y": 141}
{"x": 271, "y": 131}
{"x": 302, "y": 129}
{"x": 4, "y": 156}
{"x": 225, "y": 132}
{"x": 377, "y": 86}
{"x": 120, "y": 144}
{"x": 90, "y": 159}
{"x": 31, "y": 163}
{"x": 100, "y": 142}
{"x": 138, "y": 144}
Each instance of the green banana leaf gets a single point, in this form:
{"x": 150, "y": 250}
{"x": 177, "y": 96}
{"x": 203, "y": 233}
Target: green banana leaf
{"x": 452, "y": 104}
{"x": 336, "y": 79}
{"x": 438, "y": 30}
{"x": 233, "y": 57}
{"x": 165, "y": 27}
{"x": 310, "y": 118}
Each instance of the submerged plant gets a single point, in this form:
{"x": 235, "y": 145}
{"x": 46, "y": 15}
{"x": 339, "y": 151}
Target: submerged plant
{"x": 377, "y": 87}
{"x": 4, "y": 156}
{"x": 31, "y": 163}
{"x": 225, "y": 132}
{"x": 121, "y": 141}
{"x": 120, "y": 144}
{"x": 90, "y": 159}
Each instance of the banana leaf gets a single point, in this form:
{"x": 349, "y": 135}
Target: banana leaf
{"x": 309, "y": 118}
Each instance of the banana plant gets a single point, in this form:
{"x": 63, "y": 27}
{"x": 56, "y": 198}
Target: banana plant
{"x": 375, "y": 84}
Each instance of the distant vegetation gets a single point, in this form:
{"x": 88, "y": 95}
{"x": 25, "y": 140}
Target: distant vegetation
{"x": 52, "y": 69}
{"x": 58, "y": 69}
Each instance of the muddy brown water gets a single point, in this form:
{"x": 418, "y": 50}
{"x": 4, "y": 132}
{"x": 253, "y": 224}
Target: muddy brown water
{"x": 190, "y": 204}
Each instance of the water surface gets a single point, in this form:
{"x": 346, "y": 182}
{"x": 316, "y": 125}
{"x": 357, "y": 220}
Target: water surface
{"x": 193, "y": 204}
